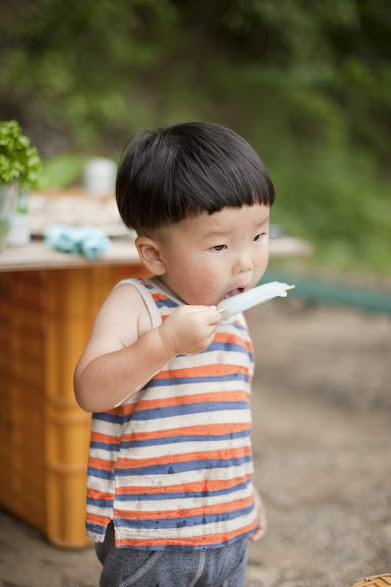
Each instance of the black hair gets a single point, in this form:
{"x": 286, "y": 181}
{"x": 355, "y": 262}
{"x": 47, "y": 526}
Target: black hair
{"x": 185, "y": 169}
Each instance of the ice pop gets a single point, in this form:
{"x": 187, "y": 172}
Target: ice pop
{"x": 257, "y": 295}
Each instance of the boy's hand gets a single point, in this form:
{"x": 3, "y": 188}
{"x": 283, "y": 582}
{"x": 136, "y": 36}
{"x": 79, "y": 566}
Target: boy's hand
{"x": 261, "y": 526}
{"x": 189, "y": 330}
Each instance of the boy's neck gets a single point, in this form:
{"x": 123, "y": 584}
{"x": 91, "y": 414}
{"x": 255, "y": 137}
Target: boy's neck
{"x": 162, "y": 285}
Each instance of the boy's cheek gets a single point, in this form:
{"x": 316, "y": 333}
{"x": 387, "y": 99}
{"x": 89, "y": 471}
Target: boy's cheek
{"x": 209, "y": 280}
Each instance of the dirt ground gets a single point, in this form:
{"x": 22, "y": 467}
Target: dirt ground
{"x": 322, "y": 446}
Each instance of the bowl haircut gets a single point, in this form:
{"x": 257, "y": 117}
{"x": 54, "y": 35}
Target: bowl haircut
{"x": 184, "y": 170}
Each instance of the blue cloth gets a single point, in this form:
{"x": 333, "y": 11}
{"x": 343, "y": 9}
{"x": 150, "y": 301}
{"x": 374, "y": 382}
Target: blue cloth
{"x": 221, "y": 567}
{"x": 79, "y": 240}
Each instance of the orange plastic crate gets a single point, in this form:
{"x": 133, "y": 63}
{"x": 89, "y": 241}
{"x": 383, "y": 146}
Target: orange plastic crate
{"x": 45, "y": 321}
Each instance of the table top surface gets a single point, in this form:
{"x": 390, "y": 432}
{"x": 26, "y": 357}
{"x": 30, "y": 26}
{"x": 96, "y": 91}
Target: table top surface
{"x": 36, "y": 255}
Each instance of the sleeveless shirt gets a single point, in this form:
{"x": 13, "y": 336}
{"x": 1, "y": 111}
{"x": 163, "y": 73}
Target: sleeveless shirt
{"x": 172, "y": 466}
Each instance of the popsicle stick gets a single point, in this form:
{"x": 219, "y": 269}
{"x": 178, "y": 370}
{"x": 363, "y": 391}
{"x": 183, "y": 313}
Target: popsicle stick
{"x": 289, "y": 287}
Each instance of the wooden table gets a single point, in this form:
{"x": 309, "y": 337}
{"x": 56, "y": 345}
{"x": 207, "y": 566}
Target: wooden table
{"x": 123, "y": 252}
{"x": 48, "y": 301}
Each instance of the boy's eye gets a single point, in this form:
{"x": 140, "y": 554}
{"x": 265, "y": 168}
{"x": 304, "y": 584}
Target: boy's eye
{"x": 218, "y": 248}
{"x": 259, "y": 236}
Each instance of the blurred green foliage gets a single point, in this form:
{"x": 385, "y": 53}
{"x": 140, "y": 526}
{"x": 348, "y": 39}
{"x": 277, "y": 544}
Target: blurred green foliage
{"x": 19, "y": 160}
{"x": 307, "y": 83}
{"x": 61, "y": 171}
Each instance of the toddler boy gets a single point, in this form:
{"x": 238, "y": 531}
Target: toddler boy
{"x": 170, "y": 498}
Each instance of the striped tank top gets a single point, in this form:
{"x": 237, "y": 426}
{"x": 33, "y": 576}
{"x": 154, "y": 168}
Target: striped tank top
{"x": 172, "y": 466}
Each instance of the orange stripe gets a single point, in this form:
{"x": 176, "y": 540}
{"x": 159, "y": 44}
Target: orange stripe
{"x": 207, "y": 485}
{"x": 214, "y": 396}
{"x": 200, "y": 430}
{"x": 159, "y": 296}
{"x": 115, "y": 411}
{"x": 102, "y": 464}
{"x": 96, "y": 494}
{"x": 96, "y": 519}
{"x": 220, "y": 508}
{"x": 105, "y": 438}
{"x": 233, "y": 338}
{"x": 224, "y": 454}
{"x": 192, "y": 541}
{"x": 202, "y": 371}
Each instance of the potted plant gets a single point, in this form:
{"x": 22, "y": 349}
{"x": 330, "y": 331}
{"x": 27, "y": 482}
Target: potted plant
{"x": 20, "y": 168}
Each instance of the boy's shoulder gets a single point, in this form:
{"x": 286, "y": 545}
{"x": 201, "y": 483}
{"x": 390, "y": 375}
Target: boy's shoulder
{"x": 123, "y": 316}
{"x": 121, "y": 320}
{"x": 126, "y": 304}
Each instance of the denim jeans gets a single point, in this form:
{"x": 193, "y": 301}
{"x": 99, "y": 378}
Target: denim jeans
{"x": 211, "y": 567}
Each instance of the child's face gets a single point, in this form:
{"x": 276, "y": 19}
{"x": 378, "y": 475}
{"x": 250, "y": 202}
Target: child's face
{"x": 214, "y": 256}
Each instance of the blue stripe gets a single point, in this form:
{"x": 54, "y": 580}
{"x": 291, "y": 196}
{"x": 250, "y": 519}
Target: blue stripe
{"x": 146, "y": 284}
{"x": 170, "y": 440}
{"x": 106, "y": 417}
{"x": 96, "y": 528}
{"x": 181, "y": 522}
{"x": 227, "y": 347}
{"x": 105, "y": 446}
{"x": 178, "y": 495}
{"x": 184, "y": 409}
{"x": 128, "y": 497}
{"x": 100, "y": 503}
{"x": 184, "y": 438}
{"x": 182, "y": 467}
{"x": 207, "y": 379}
{"x": 100, "y": 473}
{"x": 166, "y": 303}
{"x": 239, "y": 326}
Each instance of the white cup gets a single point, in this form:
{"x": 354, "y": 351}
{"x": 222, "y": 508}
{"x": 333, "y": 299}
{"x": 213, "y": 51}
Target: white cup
{"x": 99, "y": 177}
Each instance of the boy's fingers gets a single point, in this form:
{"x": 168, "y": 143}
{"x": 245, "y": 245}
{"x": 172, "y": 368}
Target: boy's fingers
{"x": 260, "y": 530}
{"x": 215, "y": 319}
{"x": 258, "y": 534}
{"x": 215, "y": 315}
{"x": 210, "y": 311}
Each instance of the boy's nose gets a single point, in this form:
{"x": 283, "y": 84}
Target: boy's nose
{"x": 243, "y": 263}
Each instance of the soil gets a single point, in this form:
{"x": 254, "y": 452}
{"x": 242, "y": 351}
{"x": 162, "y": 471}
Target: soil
{"x": 322, "y": 440}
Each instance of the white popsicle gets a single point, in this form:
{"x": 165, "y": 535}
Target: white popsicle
{"x": 252, "y": 297}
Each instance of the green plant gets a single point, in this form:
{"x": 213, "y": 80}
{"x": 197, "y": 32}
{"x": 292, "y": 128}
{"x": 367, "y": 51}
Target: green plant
{"x": 18, "y": 159}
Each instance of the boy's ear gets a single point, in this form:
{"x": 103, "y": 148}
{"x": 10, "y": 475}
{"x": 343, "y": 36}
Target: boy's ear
{"x": 149, "y": 251}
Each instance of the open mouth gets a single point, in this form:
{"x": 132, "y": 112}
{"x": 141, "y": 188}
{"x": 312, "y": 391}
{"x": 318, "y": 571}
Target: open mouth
{"x": 233, "y": 292}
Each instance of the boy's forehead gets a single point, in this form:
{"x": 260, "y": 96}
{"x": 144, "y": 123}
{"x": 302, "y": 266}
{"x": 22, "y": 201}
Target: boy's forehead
{"x": 226, "y": 219}
{"x": 255, "y": 214}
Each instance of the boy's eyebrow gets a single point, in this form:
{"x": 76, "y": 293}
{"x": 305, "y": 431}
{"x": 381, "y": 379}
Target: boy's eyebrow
{"x": 264, "y": 221}
{"x": 214, "y": 233}
{"x": 222, "y": 233}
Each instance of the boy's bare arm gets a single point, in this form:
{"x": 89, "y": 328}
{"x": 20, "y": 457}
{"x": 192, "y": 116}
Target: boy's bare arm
{"x": 123, "y": 354}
